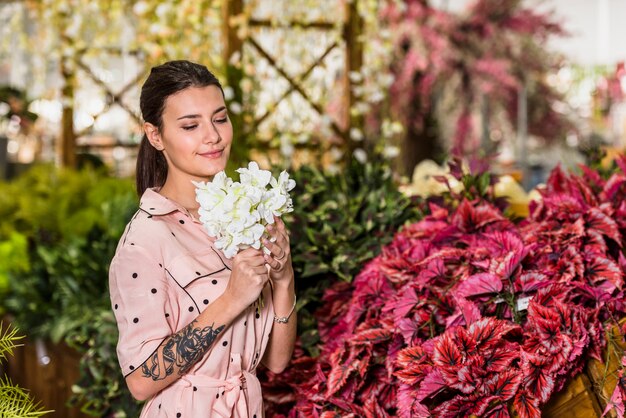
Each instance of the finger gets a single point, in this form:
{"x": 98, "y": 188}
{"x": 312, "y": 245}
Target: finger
{"x": 273, "y": 263}
{"x": 271, "y": 246}
{"x": 274, "y": 248}
{"x": 256, "y": 261}
{"x": 249, "y": 253}
{"x": 280, "y": 224}
{"x": 261, "y": 271}
{"x": 280, "y": 237}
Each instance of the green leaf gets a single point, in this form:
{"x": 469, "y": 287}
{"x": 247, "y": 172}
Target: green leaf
{"x": 15, "y": 402}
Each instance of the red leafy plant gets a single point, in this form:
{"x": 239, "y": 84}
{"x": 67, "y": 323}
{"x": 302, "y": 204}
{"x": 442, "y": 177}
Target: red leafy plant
{"x": 467, "y": 313}
{"x": 475, "y": 369}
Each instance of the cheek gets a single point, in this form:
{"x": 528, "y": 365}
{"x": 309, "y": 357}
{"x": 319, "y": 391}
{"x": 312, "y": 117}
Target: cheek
{"x": 180, "y": 144}
{"x": 227, "y": 131}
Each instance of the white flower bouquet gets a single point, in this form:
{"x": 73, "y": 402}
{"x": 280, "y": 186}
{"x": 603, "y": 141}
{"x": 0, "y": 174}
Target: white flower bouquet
{"x": 236, "y": 213}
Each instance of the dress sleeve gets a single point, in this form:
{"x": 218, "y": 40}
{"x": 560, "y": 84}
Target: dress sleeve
{"x": 139, "y": 297}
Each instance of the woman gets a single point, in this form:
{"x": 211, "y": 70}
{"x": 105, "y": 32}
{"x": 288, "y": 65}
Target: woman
{"x": 191, "y": 332}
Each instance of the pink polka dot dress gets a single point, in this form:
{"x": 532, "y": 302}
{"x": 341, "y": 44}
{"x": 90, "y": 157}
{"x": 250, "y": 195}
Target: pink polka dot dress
{"x": 164, "y": 273}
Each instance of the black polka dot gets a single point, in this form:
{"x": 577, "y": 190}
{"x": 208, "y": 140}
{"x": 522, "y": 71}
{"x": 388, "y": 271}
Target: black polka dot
{"x": 214, "y": 281}
{"x": 181, "y": 221}
{"x": 191, "y": 309}
{"x": 136, "y": 320}
{"x": 206, "y": 301}
{"x": 195, "y": 388}
{"x": 225, "y": 343}
{"x": 135, "y": 275}
{"x": 116, "y": 306}
{"x": 131, "y": 367}
{"x": 257, "y": 315}
{"x": 167, "y": 315}
{"x": 197, "y": 273}
{"x": 153, "y": 291}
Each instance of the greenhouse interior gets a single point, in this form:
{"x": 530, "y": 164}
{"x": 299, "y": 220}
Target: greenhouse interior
{"x": 312, "y": 208}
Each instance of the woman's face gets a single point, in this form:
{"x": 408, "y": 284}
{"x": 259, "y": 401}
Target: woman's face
{"x": 196, "y": 134}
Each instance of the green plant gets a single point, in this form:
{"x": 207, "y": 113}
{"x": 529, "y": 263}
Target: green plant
{"x": 14, "y": 401}
{"x": 65, "y": 226}
{"x": 340, "y": 221}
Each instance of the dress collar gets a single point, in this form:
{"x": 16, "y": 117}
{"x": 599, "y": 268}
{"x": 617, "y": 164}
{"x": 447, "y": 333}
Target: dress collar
{"x": 156, "y": 204}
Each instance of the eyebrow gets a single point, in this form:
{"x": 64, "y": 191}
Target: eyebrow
{"x": 219, "y": 109}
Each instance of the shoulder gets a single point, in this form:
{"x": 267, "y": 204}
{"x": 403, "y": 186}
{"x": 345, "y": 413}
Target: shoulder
{"x": 149, "y": 227}
{"x": 146, "y": 231}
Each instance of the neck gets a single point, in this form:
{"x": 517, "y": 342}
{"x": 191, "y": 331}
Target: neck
{"x": 181, "y": 191}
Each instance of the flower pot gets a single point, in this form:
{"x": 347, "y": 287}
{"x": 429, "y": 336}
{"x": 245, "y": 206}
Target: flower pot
{"x": 603, "y": 375}
{"x": 576, "y": 400}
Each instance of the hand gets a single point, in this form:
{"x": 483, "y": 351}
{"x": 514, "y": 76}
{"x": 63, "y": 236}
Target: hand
{"x": 248, "y": 277}
{"x": 279, "y": 259}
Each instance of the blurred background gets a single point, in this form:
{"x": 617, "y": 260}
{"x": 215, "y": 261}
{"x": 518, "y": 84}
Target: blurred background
{"x": 364, "y": 101}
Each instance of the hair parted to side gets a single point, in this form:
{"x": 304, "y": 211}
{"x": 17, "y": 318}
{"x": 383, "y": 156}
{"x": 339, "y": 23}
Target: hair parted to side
{"x": 164, "y": 80}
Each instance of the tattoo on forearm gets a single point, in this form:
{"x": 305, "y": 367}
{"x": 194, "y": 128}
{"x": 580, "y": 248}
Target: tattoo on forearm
{"x": 182, "y": 349}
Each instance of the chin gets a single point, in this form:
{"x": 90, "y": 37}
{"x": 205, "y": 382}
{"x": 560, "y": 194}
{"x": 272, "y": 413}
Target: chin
{"x": 212, "y": 170}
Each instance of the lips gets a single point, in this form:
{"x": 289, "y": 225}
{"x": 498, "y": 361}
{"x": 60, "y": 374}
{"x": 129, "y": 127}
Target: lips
{"x": 212, "y": 154}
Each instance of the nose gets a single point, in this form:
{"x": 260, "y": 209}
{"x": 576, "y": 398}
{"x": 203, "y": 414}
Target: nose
{"x": 212, "y": 134}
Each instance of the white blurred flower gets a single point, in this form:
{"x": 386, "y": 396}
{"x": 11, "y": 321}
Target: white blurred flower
{"x": 286, "y": 148}
{"x": 360, "y": 155}
{"x": 335, "y": 154}
{"x": 377, "y": 96}
{"x": 356, "y": 134}
{"x": 391, "y": 151}
{"x": 355, "y": 76}
{"x": 326, "y": 120}
{"x": 235, "y": 58}
{"x": 162, "y": 10}
{"x": 4, "y": 109}
{"x": 235, "y": 108}
{"x": 140, "y": 8}
{"x": 246, "y": 85}
{"x": 333, "y": 169}
{"x": 229, "y": 93}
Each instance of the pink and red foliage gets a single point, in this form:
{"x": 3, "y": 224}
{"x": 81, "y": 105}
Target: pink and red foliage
{"x": 436, "y": 325}
{"x": 489, "y": 50}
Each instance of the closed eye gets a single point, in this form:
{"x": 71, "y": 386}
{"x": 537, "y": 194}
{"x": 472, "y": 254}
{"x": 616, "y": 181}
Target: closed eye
{"x": 222, "y": 120}
{"x": 189, "y": 127}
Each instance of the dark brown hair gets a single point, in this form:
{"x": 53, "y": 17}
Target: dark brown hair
{"x": 164, "y": 80}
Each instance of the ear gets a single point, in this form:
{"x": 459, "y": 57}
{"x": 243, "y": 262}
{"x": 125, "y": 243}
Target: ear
{"x": 154, "y": 136}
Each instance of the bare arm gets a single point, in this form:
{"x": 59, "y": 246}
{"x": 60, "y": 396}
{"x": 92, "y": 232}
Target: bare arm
{"x": 283, "y": 337}
{"x": 180, "y": 351}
